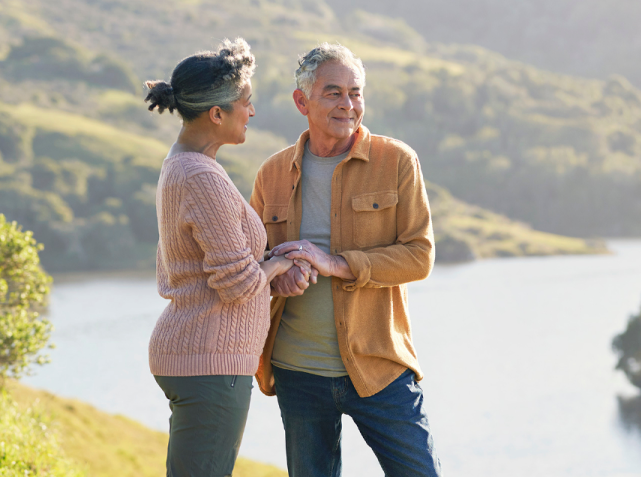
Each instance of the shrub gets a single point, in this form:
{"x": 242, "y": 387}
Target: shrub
{"x": 628, "y": 346}
{"x": 28, "y": 445}
{"x": 24, "y": 287}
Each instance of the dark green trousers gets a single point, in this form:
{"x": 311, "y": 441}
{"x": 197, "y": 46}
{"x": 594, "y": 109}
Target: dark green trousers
{"x": 208, "y": 416}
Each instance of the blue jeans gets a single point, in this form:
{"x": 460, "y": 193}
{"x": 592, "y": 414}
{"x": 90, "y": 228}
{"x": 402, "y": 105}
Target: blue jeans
{"x": 392, "y": 422}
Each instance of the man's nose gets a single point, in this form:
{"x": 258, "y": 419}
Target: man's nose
{"x": 252, "y": 111}
{"x": 346, "y": 103}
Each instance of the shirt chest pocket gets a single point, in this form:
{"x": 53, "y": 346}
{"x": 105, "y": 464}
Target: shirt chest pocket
{"x": 275, "y": 220}
{"x": 374, "y": 216}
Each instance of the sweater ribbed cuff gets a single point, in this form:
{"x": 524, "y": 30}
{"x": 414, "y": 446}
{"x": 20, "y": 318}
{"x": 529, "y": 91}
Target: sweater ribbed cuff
{"x": 203, "y": 364}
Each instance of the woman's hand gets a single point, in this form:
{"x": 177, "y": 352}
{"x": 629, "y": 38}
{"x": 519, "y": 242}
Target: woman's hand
{"x": 283, "y": 263}
{"x": 276, "y": 266}
{"x": 295, "y": 281}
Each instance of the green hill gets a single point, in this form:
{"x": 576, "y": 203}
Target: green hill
{"x": 80, "y": 156}
{"x": 92, "y": 442}
{"x": 558, "y": 152}
{"x": 587, "y": 38}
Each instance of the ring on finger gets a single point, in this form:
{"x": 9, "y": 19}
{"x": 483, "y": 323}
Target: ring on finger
{"x": 300, "y": 248}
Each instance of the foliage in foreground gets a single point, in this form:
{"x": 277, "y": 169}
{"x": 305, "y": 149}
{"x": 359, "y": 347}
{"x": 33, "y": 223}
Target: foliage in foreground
{"x": 111, "y": 445}
{"x": 29, "y": 446}
{"x": 24, "y": 287}
{"x": 628, "y": 346}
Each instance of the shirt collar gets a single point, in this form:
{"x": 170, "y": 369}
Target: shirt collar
{"x": 359, "y": 150}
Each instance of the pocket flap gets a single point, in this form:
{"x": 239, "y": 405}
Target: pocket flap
{"x": 374, "y": 201}
{"x": 273, "y": 214}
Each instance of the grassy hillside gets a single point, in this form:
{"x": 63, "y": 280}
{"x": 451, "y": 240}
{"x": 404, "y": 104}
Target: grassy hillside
{"x": 91, "y": 198}
{"x": 588, "y": 38}
{"x": 103, "y": 445}
{"x": 558, "y": 152}
{"x": 80, "y": 155}
{"x": 466, "y": 232}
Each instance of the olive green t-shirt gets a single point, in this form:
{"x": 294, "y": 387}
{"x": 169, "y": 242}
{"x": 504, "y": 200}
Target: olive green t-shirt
{"x": 306, "y": 339}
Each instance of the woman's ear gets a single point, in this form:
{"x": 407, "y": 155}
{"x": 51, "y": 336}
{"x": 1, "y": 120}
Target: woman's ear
{"x": 216, "y": 115}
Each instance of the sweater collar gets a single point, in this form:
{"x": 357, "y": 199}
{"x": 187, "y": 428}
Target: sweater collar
{"x": 359, "y": 150}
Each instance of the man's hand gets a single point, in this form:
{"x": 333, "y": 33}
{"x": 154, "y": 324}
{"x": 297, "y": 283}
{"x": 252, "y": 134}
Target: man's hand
{"x": 327, "y": 265}
{"x": 295, "y": 281}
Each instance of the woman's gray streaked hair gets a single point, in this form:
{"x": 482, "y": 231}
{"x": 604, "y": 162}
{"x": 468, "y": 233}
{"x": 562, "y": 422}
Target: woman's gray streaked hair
{"x": 306, "y": 73}
{"x": 204, "y": 80}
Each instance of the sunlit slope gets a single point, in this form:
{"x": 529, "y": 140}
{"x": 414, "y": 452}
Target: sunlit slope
{"x": 109, "y": 445}
{"x": 558, "y": 152}
{"x": 465, "y": 232}
{"x": 61, "y": 135}
{"x": 87, "y": 189}
{"x": 81, "y": 154}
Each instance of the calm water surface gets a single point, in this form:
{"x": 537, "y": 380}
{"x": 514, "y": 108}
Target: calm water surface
{"x": 516, "y": 352}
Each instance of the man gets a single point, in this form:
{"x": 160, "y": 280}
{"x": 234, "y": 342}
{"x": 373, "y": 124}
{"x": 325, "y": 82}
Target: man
{"x": 354, "y": 206}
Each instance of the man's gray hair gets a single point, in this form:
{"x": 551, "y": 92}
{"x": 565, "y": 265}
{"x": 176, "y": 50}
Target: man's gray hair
{"x": 306, "y": 73}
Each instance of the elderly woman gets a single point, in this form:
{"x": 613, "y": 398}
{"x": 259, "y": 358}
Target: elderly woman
{"x": 206, "y": 344}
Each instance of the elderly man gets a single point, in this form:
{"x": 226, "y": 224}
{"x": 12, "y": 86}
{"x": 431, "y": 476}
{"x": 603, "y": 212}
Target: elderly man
{"x": 352, "y": 204}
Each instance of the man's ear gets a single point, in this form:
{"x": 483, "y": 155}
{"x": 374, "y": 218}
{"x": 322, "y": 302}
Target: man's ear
{"x": 216, "y": 115}
{"x": 300, "y": 100}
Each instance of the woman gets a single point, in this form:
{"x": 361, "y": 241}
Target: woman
{"x": 206, "y": 344}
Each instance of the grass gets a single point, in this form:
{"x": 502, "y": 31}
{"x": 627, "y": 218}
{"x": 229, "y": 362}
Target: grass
{"x": 29, "y": 445}
{"x": 106, "y": 445}
{"x": 485, "y": 234}
{"x": 382, "y": 54}
{"x": 96, "y": 136}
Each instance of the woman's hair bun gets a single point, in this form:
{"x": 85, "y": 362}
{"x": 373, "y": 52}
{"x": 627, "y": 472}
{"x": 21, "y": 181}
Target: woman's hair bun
{"x": 161, "y": 96}
{"x": 204, "y": 80}
{"x": 235, "y": 60}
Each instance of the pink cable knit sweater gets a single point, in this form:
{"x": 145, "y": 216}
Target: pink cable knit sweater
{"x": 207, "y": 265}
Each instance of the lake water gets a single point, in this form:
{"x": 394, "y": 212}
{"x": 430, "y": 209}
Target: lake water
{"x": 520, "y": 378}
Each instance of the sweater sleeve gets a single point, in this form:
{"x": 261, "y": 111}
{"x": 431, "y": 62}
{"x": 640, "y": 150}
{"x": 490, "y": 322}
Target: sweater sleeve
{"x": 213, "y": 211}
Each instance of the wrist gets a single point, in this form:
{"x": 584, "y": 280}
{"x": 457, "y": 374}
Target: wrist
{"x": 340, "y": 268}
{"x": 284, "y": 265}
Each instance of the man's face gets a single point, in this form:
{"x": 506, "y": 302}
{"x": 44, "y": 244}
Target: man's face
{"x": 336, "y": 105}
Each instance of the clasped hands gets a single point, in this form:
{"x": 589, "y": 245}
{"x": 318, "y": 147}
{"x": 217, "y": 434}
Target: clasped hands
{"x": 310, "y": 261}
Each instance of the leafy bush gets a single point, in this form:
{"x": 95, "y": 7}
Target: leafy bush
{"x": 28, "y": 445}
{"x": 628, "y": 346}
{"x": 24, "y": 287}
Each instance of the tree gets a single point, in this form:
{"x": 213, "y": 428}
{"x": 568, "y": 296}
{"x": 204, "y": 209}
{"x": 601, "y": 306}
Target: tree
{"x": 628, "y": 346}
{"x": 24, "y": 288}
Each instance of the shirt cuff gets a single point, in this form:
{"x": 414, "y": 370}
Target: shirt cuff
{"x": 360, "y": 267}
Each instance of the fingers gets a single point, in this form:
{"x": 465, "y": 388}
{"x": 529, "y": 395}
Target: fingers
{"x": 283, "y": 248}
{"x": 304, "y": 266}
{"x": 281, "y": 286}
{"x": 314, "y": 276}
{"x": 300, "y": 280}
{"x": 292, "y": 283}
{"x": 301, "y": 255}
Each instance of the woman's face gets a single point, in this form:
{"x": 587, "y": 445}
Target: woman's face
{"x": 234, "y": 123}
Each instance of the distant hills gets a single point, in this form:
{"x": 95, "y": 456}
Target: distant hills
{"x": 81, "y": 155}
{"x": 589, "y": 38}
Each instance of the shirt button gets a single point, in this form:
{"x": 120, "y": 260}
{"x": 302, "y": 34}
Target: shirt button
{"x": 274, "y": 218}
{"x": 375, "y": 205}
